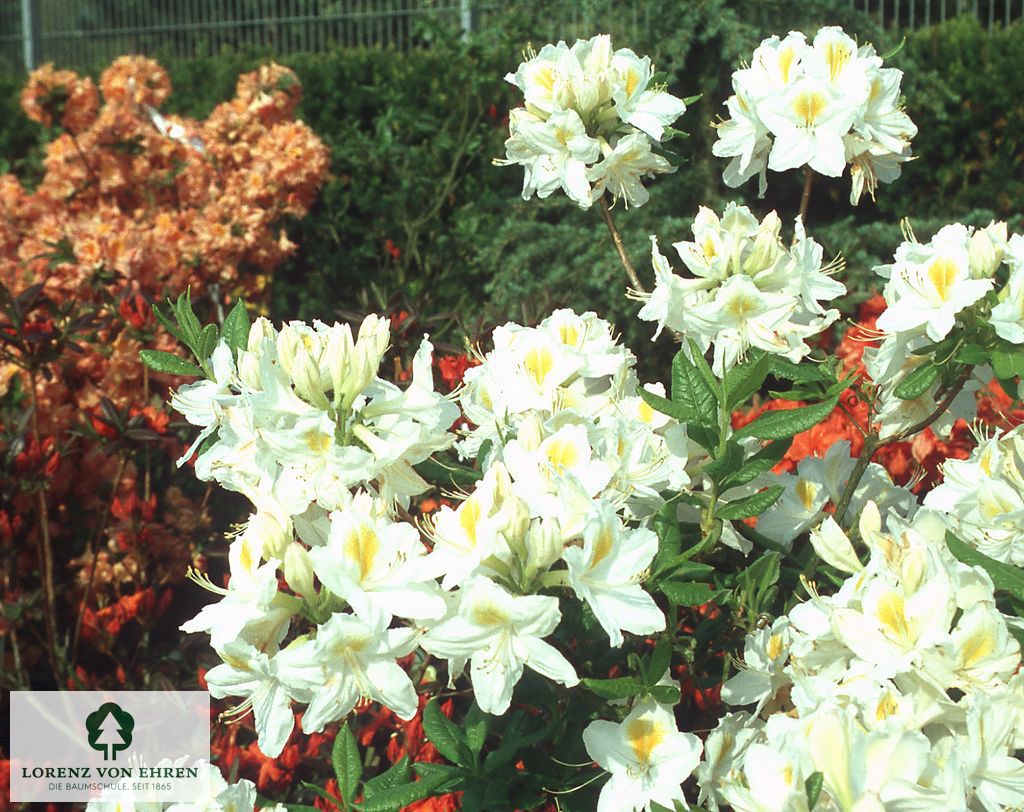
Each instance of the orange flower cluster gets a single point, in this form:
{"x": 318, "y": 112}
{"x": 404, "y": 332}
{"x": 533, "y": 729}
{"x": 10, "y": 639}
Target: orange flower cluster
{"x": 133, "y": 206}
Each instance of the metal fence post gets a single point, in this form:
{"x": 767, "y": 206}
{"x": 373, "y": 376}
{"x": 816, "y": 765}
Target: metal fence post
{"x": 467, "y": 18}
{"x": 30, "y": 35}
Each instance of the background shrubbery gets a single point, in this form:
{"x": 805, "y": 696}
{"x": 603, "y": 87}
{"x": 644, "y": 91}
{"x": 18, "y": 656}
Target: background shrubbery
{"x": 414, "y": 206}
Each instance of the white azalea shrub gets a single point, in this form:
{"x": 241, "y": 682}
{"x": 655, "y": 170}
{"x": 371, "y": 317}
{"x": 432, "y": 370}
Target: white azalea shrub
{"x": 902, "y": 690}
{"x": 625, "y": 506}
{"x": 590, "y": 119}
{"x": 822, "y": 105}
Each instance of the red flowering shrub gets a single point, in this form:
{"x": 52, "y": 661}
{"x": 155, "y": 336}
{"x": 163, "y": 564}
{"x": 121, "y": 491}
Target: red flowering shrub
{"x": 133, "y": 206}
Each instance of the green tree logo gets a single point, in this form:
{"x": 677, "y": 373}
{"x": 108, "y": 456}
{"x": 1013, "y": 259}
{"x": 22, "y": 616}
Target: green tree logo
{"x": 110, "y": 730}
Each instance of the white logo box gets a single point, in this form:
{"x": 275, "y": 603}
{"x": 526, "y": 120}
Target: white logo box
{"x": 133, "y": 746}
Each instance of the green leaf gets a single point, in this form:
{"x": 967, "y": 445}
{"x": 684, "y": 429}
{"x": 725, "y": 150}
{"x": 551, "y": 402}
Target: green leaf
{"x": 236, "y": 327}
{"x": 1007, "y": 363}
{"x": 515, "y": 737}
{"x": 186, "y": 318}
{"x": 798, "y": 373}
{"x": 666, "y": 526}
{"x": 686, "y": 593}
{"x": 167, "y": 363}
{"x": 753, "y": 505}
{"x": 746, "y": 379}
{"x": 661, "y": 659}
{"x": 618, "y": 688}
{"x": 699, "y": 361}
{"x": 396, "y": 775}
{"x": 674, "y": 410}
{"x": 1004, "y": 576}
{"x": 761, "y": 463}
{"x": 477, "y": 724}
{"x": 973, "y": 354}
{"x": 681, "y": 568}
{"x": 691, "y": 390}
{"x": 776, "y": 425}
{"x": 665, "y": 694}
{"x": 207, "y": 342}
{"x": 347, "y": 763}
{"x": 812, "y": 786}
{"x": 400, "y": 796}
{"x": 706, "y": 438}
{"x": 169, "y": 325}
{"x": 917, "y": 382}
{"x": 445, "y": 735}
{"x": 729, "y": 462}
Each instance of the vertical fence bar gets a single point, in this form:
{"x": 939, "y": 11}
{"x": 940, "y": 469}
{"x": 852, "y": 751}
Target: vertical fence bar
{"x": 30, "y": 34}
{"x": 927, "y": 13}
{"x": 991, "y": 15}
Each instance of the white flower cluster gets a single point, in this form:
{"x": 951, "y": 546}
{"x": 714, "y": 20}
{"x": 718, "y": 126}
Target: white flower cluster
{"x": 983, "y": 497}
{"x": 822, "y": 105}
{"x": 301, "y": 416}
{"x": 747, "y": 290}
{"x": 324, "y": 449}
{"x": 591, "y": 115}
{"x": 902, "y": 689}
{"x": 820, "y": 481}
{"x": 928, "y": 286}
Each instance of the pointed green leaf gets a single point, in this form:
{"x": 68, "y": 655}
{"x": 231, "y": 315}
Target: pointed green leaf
{"x": 445, "y": 735}
{"x": 917, "y": 382}
{"x": 400, "y": 796}
{"x": 798, "y": 373}
{"x": 618, "y": 688}
{"x": 168, "y": 364}
{"x": 1008, "y": 363}
{"x": 686, "y": 593}
{"x": 665, "y": 694}
{"x": 761, "y": 463}
{"x": 169, "y": 325}
{"x": 477, "y": 724}
{"x": 664, "y": 405}
{"x": 661, "y": 659}
{"x": 812, "y": 786}
{"x": 691, "y": 390}
{"x": 753, "y": 505}
{"x": 236, "y": 327}
{"x": 744, "y": 380}
{"x": 775, "y": 425}
{"x": 729, "y": 462}
{"x": 396, "y": 775}
{"x": 207, "y": 342}
{"x": 347, "y": 763}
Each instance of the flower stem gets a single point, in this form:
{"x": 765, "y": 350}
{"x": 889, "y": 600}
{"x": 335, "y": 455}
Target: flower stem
{"x": 619, "y": 246}
{"x": 805, "y": 198}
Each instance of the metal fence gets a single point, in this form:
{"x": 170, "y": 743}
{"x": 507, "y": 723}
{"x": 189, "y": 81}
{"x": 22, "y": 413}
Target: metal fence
{"x": 88, "y": 33}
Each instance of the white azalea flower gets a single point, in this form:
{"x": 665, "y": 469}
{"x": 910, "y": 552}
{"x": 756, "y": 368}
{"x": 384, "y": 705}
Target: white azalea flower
{"x": 647, "y": 756}
{"x": 499, "y": 633}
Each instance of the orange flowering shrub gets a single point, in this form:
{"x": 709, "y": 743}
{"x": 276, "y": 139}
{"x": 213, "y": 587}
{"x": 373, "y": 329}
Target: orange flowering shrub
{"x": 133, "y": 206}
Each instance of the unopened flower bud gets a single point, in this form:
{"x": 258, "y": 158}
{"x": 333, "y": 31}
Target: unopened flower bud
{"x": 298, "y": 570}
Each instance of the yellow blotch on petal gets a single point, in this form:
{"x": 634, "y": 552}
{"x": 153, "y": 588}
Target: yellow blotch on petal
{"x": 469, "y": 516}
{"x": 886, "y": 706}
{"x": 643, "y": 736}
{"x": 318, "y": 441}
{"x": 892, "y": 615}
{"x": 545, "y": 77}
{"x": 602, "y": 547}
{"x": 538, "y": 364}
{"x": 786, "y": 56}
{"x": 487, "y": 614}
{"x": 569, "y": 334}
{"x": 806, "y": 492}
{"x": 632, "y": 80}
{"x": 774, "y": 646}
{"x": 809, "y": 105}
{"x": 562, "y": 455}
{"x": 645, "y": 412}
{"x": 836, "y": 56}
{"x": 361, "y": 546}
{"x": 943, "y": 273}
{"x": 977, "y": 647}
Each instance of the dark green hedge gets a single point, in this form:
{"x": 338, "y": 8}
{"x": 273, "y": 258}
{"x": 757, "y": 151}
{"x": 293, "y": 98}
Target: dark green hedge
{"x": 414, "y": 206}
